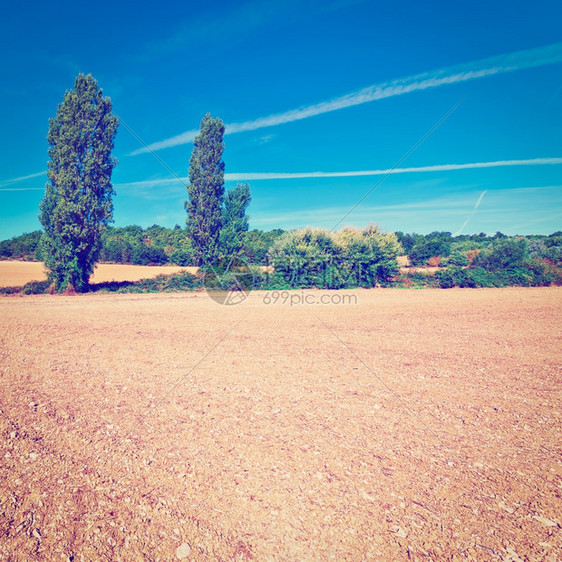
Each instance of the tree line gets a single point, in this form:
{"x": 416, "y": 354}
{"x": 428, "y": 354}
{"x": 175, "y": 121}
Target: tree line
{"x": 159, "y": 245}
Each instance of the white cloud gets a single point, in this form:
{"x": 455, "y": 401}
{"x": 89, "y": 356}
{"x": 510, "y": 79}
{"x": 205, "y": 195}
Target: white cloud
{"x": 511, "y": 62}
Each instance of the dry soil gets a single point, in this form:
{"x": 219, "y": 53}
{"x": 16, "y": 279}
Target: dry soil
{"x": 402, "y": 424}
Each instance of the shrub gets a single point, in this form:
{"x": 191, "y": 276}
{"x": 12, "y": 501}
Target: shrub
{"x": 231, "y": 275}
{"x": 315, "y": 257}
{"x": 36, "y": 288}
{"x": 541, "y": 272}
{"x": 445, "y": 279}
{"x": 531, "y": 273}
{"x": 554, "y": 253}
{"x": 471, "y": 254}
{"x": 537, "y": 248}
{"x": 503, "y": 254}
{"x": 10, "y": 290}
{"x": 418, "y": 279}
{"x": 176, "y": 282}
{"x": 422, "y": 251}
{"x": 300, "y": 257}
{"x": 143, "y": 254}
{"x": 182, "y": 258}
{"x": 458, "y": 258}
{"x": 116, "y": 250}
{"x": 478, "y": 277}
{"x": 405, "y": 281}
{"x": 276, "y": 281}
{"x": 367, "y": 257}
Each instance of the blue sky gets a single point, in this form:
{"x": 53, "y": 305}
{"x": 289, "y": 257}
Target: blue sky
{"x": 321, "y": 100}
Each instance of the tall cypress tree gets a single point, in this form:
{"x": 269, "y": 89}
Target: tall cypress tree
{"x": 77, "y": 204}
{"x": 206, "y": 190}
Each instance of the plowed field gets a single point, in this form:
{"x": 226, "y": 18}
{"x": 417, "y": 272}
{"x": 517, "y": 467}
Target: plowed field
{"x": 399, "y": 425}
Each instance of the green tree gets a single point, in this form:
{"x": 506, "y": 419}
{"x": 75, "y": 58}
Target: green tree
{"x": 257, "y": 243}
{"x": 77, "y": 205}
{"x": 21, "y": 247}
{"x": 206, "y": 190}
{"x": 234, "y": 220}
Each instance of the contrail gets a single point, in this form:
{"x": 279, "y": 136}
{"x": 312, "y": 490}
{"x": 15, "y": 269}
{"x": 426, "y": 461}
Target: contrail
{"x": 491, "y": 66}
{"x": 256, "y": 176}
{"x": 420, "y": 169}
{"x": 22, "y": 178}
{"x": 22, "y": 189}
{"x": 480, "y": 199}
{"x": 247, "y": 176}
{"x": 459, "y": 231}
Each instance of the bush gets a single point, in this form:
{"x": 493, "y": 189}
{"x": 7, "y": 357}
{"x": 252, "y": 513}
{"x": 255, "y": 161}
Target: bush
{"x": 301, "y": 257}
{"x": 10, "y": 290}
{"x": 542, "y": 273}
{"x": 418, "y": 279}
{"x": 445, "y": 279}
{"x": 143, "y": 254}
{"x": 31, "y": 288}
{"x": 231, "y": 275}
{"x": 503, "y": 254}
{"x": 182, "y": 258}
{"x": 554, "y": 253}
{"x": 176, "y": 282}
{"x": 422, "y": 251}
{"x": 116, "y": 250}
{"x": 478, "y": 277}
{"x": 368, "y": 255}
{"x": 314, "y": 257}
{"x": 276, "y": 281}
{"x": 531, "y": 273}
{"x": 36, "y": 288}
{"x": 537, "y": 248}
{"x": 458, "y": 258}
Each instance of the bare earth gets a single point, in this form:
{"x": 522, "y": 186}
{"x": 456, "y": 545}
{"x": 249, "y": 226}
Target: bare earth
{"x": 410, "y": 425}
{"x": 17, "y": 273}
